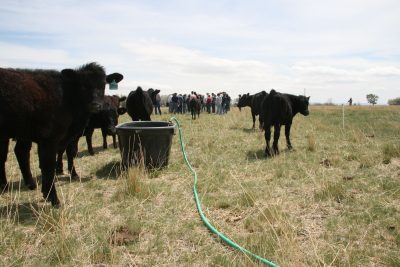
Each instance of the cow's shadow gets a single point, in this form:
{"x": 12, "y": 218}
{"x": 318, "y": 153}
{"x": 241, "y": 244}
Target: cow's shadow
{"x": 20, "y": 185}
{"x": 254, "y": 155}
{"x": 246, "y": 130}
{"x": 111, "y": 170}
{"x": 249, "y": 130}
{"x": 85, "y": 153}
{"x": 22, "y": 213}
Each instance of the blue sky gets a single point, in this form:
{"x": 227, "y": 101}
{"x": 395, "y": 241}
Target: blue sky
{"x": 331, "y": 49}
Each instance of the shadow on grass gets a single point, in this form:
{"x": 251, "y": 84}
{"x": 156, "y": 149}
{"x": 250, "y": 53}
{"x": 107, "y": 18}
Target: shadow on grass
{"x": 23, "y": 213}
{"x": 246, "y": 130}
{"x": 96, "y": 149}
{"x": 111, "y": 170}
{"x": 251, "y": 130}
{"x": 20, "y": 185}
{"x": 254, "y": 155}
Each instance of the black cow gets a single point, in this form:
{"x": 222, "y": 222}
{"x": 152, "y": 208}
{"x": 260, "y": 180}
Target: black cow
{"x": 49, "y": 108}
{"x": 139, "y": 104}
{"x": 106, "y": 120}
{"x": 195, "y": 107}
{"x": 279, "y": 109}
{"x": 255, "y": 103}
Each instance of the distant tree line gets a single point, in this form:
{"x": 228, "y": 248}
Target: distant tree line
{"x": 395, "y": 101}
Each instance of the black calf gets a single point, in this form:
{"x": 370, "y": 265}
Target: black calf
{"x": 279, "y": 109}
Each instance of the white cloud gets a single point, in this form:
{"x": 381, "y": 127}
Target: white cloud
{"x": 384, "y": 71}
{"x": 25, "y": 56}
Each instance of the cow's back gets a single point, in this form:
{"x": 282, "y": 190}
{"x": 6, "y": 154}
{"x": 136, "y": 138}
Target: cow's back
{"x": 256, "y": 102}
{"x": 28, "y": 102}
{"x": 139, "y": 105}
{"x": 277, "y": 109}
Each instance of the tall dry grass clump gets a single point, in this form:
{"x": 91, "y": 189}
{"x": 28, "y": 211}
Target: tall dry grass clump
{"x": 391, "y": 150}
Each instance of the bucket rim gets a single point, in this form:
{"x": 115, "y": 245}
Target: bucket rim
{"x": 129, "y": 126}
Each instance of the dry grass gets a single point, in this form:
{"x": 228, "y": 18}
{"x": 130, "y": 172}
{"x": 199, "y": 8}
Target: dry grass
{"x": 333, "y": 201}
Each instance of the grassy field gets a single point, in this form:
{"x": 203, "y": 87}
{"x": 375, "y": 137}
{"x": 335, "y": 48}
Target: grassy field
{"x": 333, "y": 201}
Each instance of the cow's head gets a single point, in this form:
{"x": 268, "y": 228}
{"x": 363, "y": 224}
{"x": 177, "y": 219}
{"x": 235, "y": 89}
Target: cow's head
{"x": 87, "y": 84}
{"x": 243, "y": 100}
{"x": 110, "y": 112}
{"x": 152, "y": 93}
{"x": 303, "y": 105}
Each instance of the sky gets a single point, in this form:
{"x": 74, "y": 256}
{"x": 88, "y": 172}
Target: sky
{"x": 329, "y": 50}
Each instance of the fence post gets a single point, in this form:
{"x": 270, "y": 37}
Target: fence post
{"x": 343, "y": 116}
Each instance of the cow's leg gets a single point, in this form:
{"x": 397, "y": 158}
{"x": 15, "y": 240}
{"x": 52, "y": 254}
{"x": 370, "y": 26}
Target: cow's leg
{"x": 59, "y": 162}
{"x": 261, "y": 121}
{"x": 254, "y": 119}
{"x": 267, "y": 135}
{"x": 88, "y": 135}
{"x": 72, "y": 151}
{"x": 104, "y": 134}
{"x": 114, "y": 140}
{"x": 3, "y": 158}
{"x": 47, "y": 151}
{"x": 287, "y": 134}
{"x": 22, "y": 152}
{"x": 277, "y": 132}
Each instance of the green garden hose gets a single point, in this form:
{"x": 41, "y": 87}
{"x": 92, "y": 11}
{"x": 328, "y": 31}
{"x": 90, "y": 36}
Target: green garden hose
{"x": 203, "y": 217}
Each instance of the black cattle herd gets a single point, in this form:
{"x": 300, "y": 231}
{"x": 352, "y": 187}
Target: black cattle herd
{"x": 55, "y": 108}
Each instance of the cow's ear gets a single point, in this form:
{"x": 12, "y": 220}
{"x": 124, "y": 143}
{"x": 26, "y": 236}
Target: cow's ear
{"x": 121, "y": 111}
{"x": 308, "y": 98}
{"x": 153, "y": 94}
{"x": 248, "y": 94}
{"x": 69, "y": 75}
{"x": 117, "y": 77}
{"x": 123, "y": 98}
{"x": 156, "y": 91}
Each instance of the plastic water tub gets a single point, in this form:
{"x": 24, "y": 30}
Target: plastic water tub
{"x": 145, "y": 141}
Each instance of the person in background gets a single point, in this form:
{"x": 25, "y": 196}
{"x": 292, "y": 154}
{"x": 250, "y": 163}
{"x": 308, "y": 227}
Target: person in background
{"x": 169, "y": 103}
{"x": 224, "y": 102}
{"x": 203, "y": 99}
{"x": 157, "y": 104}
{"x": 180, "y": 103}
{"x": 174, "y": 103}
{"x": 184, "y": 104}
{"x": 218, "y": 103}
{"x": 350, "y": 101}
{"x": 228, "y": 103}
{"x": 208, "y": 103}
{"x": 213, "y": 102}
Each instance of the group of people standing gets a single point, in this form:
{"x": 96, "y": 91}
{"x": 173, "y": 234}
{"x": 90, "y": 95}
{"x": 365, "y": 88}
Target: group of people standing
{"x": 212, "y": 103}
{"x": 216, "y": 103}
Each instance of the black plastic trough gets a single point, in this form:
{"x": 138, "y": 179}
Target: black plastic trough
{"x": 147, "y": 141}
